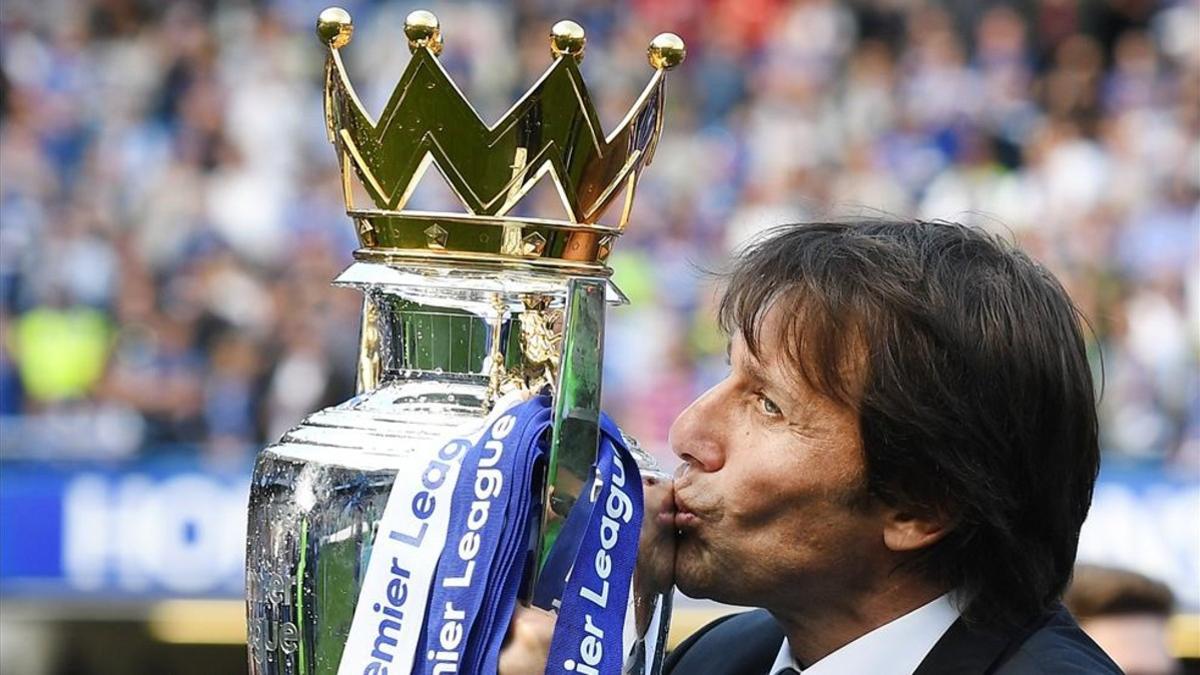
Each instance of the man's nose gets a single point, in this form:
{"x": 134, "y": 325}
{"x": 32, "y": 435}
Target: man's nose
{"x": 695, "y": 436}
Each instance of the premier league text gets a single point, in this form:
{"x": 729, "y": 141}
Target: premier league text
{"x": 618, "y": 510}
{"x": 489, "y": 482}
{"x": 391, "y": 598}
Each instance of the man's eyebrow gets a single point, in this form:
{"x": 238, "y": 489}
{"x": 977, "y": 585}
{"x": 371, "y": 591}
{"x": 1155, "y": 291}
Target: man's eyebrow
{"x": 752, "y": 367}
{"x": 756, "y": 371}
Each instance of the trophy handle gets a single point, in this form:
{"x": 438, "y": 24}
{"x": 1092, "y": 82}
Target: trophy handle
{"x": 576, "y": 430}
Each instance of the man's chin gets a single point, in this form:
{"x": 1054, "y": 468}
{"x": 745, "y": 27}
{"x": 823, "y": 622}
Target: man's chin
{"x": 700, "y": 577}
{"x": 691, "y": 589}
{"x": 694, "y": 577}
{"x": 704, "y": 590}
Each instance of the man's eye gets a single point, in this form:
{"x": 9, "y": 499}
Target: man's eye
{"x": 768, "y": 406}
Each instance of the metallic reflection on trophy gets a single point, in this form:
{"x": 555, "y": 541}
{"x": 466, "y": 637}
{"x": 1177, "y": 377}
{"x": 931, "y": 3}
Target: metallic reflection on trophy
{"x": 459, "y": 310}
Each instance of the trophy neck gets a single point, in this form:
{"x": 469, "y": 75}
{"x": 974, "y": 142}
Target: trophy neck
{"x": 496, "y": 340}
{"x": 496, "y": 328}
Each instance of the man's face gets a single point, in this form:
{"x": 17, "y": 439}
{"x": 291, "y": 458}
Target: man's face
{"x": 769, "y": 496}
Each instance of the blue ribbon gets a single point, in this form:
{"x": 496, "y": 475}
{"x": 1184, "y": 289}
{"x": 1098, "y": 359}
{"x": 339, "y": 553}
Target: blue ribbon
{"x": 479, "y": 573}
{"x": 588, "y": 634}
{"x": 562, "y": 555}
{"x": 488, "y": 553}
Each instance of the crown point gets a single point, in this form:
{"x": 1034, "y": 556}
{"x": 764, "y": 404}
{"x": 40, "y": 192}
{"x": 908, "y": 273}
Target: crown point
{"x": 567, "y": 37}
{"x": 334, "y": 27}
{"x": 423, "y": 30}
{"x": 666, "y": 51}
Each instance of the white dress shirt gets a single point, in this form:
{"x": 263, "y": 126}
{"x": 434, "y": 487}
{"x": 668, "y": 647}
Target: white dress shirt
{"x": 895, "y": 648}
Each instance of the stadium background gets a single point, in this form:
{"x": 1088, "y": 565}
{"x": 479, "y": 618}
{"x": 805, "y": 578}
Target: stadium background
{"x": 170, "y": 220}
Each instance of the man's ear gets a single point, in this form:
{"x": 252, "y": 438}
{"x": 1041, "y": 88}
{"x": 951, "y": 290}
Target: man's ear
{"x": 910, "y": 529}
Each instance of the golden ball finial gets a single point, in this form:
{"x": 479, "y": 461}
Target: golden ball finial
{"x": 567, "y": 37}
{"x": 423, "y": 30}
{"x": 334, "y": 27}
{"x": 666, "y": 51}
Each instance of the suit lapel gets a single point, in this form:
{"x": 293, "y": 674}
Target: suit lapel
{"x": 963, "y": 650}
{"x": 745, "y": 644}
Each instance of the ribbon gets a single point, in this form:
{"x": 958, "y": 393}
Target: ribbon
{"x": 454, "y": 547}
{"x": 588, "y": 632}
{"x": 480, "y": 572}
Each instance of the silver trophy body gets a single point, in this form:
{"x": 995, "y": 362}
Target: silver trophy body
{"x": 436, "y": 346}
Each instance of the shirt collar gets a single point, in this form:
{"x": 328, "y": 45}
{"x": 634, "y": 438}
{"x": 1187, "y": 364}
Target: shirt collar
{"x": 895, "y": 648}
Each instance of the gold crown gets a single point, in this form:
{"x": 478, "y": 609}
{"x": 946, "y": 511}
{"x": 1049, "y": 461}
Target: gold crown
{"x": 553, "y": 132}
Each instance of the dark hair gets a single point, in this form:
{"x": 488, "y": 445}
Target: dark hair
{"x": 966, "y": 364}
{"x": 1098, "y": 591}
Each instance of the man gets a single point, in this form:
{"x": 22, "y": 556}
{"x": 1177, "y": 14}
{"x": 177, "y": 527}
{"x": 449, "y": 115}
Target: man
{"x": 897, "y": 466}
{"x": 1127, "y": 614}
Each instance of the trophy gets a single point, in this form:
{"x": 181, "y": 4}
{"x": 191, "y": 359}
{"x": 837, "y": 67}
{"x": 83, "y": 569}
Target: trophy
{"x": 459, "y": 311}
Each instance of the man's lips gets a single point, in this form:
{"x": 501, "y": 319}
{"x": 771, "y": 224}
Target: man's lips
{"x": 685, "y": 518}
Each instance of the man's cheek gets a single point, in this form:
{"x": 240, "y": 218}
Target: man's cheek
{"x": 752, "y": 508}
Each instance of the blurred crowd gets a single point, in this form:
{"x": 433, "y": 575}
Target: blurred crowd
{"x": 170, "y": 211}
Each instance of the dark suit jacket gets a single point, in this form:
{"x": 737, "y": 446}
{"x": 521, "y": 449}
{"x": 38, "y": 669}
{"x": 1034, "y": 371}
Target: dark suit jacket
{"x": 746, "y": 644}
